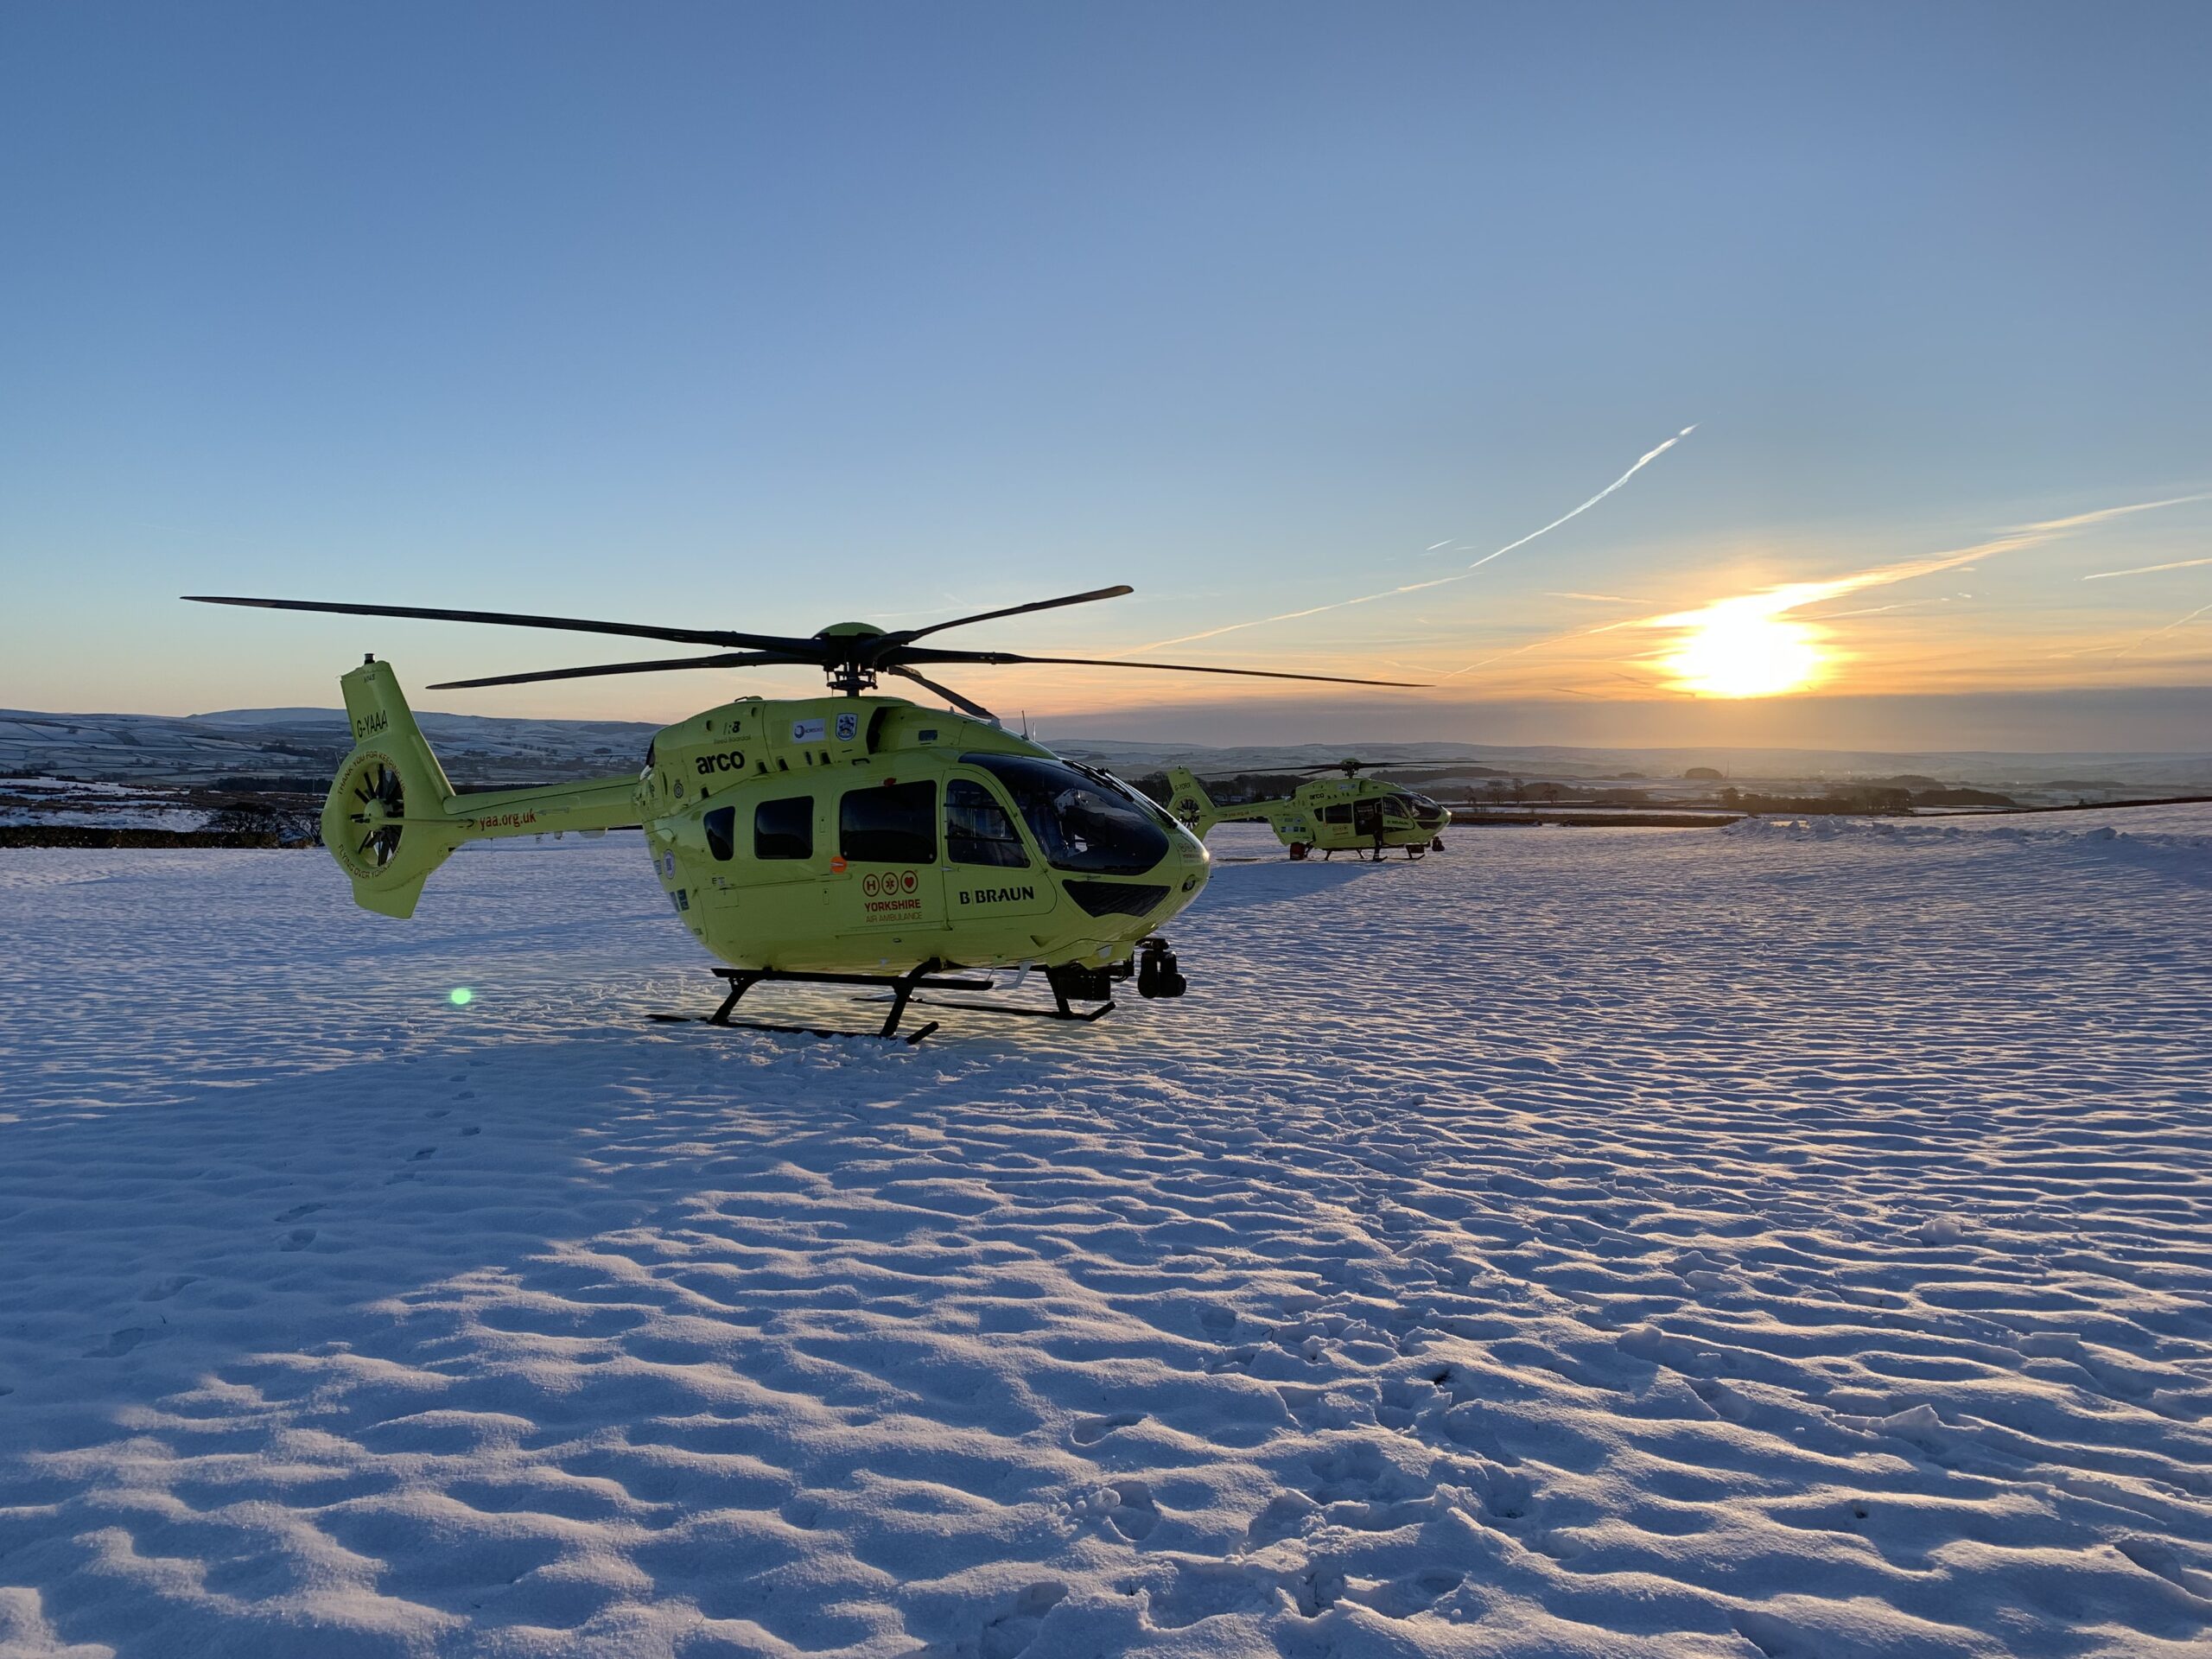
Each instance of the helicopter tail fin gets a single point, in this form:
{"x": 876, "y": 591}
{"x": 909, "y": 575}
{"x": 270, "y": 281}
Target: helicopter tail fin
{"x": 392, "y": 818}
{"x": 1190, "y": 802}
{"x": 386, "y": 819}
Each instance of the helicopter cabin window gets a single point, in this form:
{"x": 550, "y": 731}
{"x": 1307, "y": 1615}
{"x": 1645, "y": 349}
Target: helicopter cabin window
{"x": 1340, "y": 813}
{"x": 1082, "y": 822}
{"x": 721, "y": 833}
{"x": 892, "y": 824}
{"x": 978, "y": 829}
{"x": 783, "y": 828}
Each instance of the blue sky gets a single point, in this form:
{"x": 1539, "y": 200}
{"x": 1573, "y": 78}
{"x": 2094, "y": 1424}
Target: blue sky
{"x": 769, "y": 317}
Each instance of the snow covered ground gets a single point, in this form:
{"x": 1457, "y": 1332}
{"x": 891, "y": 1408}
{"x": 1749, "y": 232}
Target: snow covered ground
{"x": 1592, "y": 1241}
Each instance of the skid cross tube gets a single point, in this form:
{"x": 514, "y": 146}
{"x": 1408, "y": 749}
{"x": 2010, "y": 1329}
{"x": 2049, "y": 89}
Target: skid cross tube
{"x": 1059, "y": 1010}
{"x": 1061, "y": 979}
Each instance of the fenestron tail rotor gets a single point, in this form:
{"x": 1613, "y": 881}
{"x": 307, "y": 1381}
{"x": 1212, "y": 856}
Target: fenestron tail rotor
{"x": 381, "y": 814}
{"x": 851, "y": 654}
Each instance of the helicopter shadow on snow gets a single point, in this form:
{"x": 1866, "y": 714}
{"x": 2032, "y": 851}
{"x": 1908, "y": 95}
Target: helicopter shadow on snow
{"x": 359, "y": 1248}
{"x": 1236, "y": 884}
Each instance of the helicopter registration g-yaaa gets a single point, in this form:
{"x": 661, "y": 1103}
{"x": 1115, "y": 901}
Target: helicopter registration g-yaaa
{"x": 848, "y": 840}
{"x": 1330, "y": 815}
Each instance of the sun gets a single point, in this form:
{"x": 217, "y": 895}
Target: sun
{"x": 1740, "y": 648}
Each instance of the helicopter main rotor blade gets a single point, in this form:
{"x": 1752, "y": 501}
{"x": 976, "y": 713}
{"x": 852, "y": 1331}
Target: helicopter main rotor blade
{"x": 930, "y": 656}
{"x": 945, "y": 691}
{"x": 727, "y": 659}
{"x": 905, "y": 635}
{"x": 508, "y": 618}
{"x": 1275, "y": 771}
{"x": 1415, "y": 772}
{"x": 1387, "y": 765}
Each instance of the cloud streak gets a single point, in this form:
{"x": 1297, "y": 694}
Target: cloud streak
{"x": 1773, "y": 602}
{"x": 1642, "y": 461}
{"x": 2147, "y": 569}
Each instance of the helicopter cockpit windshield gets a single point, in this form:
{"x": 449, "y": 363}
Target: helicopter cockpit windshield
{"x": 1079, "y": 824}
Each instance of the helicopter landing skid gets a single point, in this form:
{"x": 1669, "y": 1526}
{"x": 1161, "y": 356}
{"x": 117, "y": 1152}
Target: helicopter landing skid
{"x": 902, "y": 988}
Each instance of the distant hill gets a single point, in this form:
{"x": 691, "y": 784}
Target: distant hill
{"x": 2177, "y": 773}
{"x": 303, "y": 747}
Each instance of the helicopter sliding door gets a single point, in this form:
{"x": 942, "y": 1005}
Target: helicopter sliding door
{"x": 782, "y": 856}
{"x": 1367, "y": 818}
{"x": 891, "y": 890}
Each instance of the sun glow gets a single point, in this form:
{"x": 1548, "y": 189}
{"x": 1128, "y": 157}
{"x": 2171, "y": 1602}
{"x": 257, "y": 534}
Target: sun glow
{"x": 1743, "y": 648}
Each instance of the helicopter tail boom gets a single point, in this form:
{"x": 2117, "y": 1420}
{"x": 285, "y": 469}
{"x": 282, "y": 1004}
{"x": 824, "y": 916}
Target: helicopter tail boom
{"x": 392, "y": 818}
{"x": 1190, "y": 802}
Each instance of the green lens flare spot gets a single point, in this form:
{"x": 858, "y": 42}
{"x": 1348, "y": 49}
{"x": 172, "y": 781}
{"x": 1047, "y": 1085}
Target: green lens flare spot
{"x": 460, "y": 996}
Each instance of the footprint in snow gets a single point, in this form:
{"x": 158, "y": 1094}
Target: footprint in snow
{"x": 1724, "y": 1400}
{"x": 298, "y": 1239}
{"x": 1089, "y": 1430}
{"x": 1126, "y": 1507}
{"x": 424, "y": 1152}
{"x": 1284, "y": 1517}
{"x": 2157, "y": 1555}
{"x": 1011, "y": 1633}
{"x": 119, "y": 1343}
{"x": 297, "y": 1211}
{"x": 163, "y": 1289}
{"x": 473, "y": 1128}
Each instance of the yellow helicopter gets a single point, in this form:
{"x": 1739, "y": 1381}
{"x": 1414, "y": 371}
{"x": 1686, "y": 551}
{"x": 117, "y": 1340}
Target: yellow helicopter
{"x": 1361, "y": 816}
{"x": 849, "y": 840}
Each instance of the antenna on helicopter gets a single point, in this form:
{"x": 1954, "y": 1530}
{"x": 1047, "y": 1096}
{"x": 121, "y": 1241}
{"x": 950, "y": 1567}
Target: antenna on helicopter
{"x": 851, "y": 655}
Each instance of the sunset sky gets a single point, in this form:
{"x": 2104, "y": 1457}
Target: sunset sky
{"x": 1290, "y": 317}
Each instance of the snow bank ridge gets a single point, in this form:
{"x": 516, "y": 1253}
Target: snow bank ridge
{"x": 1921, "y": 830}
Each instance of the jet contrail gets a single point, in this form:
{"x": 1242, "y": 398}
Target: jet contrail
{"x": 1643, "y": 462}
{"x": 1902, "y": 605}
{"x": 2169, "y": 628}
{"x": 1415, "y": 587}
{"x": 2146, "y": 570}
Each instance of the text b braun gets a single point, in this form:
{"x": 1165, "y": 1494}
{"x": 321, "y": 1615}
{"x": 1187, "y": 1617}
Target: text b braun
{"x": 997, "y": 895}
